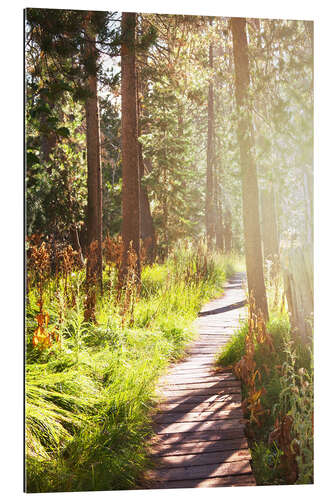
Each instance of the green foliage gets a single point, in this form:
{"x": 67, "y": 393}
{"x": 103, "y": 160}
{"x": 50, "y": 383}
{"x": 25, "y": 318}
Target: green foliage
{"x": 111, "y": 164}
{"x": 296, "y": 399}
{"x": 266, "y": 461}
{"x": 64, "y": 171}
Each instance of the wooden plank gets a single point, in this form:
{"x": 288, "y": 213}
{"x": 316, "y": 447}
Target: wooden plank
{"x": 210, "y": 391}
{"x": 207, "y": 341}
{"x": 193, "y": 370}
{"x": 189, "y": 416}
{"x": 191, "y": 377}
{"x": 201, "y": 359}
{"x": 202, "y": 382}
{"x": 226, "y": 404}
{"x": 236, "y": 480}
{"x": 209, "y": 349}
{"x": 203, "y": 372}
{"x": 203, "y": 458}
{"x": 199, "y": 436}
{"x": 195, "y": 379}
{"x": 199, "y": 447}
{"x": 197, "y": 398}
{"x": 198, "y": 363}
{"x": 211, "y": 425}
{"x": 208, "y": 367}
{"x": 194, "y": 366}
{"x": 194, "y": 386}
{"x": 203, "y": 471}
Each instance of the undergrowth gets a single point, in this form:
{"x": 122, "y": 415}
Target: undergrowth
{"x": 90, "y": 386}
{"x": 276, "y": 371}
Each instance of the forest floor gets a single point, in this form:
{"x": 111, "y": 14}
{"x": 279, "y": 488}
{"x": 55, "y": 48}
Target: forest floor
{"x": 199, "y": 425}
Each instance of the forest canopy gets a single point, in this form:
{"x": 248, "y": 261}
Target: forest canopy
{"x": 180, "y": 61}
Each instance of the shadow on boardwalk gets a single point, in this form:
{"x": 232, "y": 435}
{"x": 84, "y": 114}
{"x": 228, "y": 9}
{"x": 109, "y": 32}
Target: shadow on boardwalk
{"x": 242, "y": 303}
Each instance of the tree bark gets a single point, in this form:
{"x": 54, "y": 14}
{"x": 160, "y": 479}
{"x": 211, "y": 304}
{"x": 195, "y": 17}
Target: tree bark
{"x": 253, "y": 252}
{"x": 94, "y": 226}
{"x": 209, "y": 204}
{"x": 147, "y": 230}
{"x": 129, "y": 147}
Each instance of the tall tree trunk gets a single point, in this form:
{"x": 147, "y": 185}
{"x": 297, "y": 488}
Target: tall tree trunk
{"x": 94, "y": 229}
{"x": 129, "y": 147}
{"x": 253, "y": 252}
{"x": 209, "y": 205}
{"x": 147, "y": 230}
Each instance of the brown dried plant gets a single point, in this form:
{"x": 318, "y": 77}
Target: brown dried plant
{"x": 130, "y": 286}
{"x": 282, "y": 436}
{"x": 91, "y": 282}
{"x": 43, "y": 338}
{"x": 246, "y": 368}
{"x": 112, "y": 251}
{"x": 67, "y": 261}
{"x": 39, "y": 267}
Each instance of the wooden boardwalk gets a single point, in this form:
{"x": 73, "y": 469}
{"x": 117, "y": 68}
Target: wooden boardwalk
{"x": 200, "y": 439}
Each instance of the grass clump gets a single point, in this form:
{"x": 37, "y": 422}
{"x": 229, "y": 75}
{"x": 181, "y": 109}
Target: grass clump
{"x": 90, "y": 389}
{"x": 234, "y": 348}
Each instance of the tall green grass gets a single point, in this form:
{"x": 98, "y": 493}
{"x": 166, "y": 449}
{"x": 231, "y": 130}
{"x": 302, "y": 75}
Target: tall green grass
{"x": 90, "y": 398}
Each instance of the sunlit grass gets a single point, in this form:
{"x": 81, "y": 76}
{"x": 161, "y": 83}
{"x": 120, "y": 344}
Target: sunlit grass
{"x": 89, "y": 398}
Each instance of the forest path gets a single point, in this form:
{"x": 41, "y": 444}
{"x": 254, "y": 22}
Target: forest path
{"x": 200, "y": 440}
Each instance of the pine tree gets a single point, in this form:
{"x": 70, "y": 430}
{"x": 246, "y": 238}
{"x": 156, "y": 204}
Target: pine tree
{"x": 94, "y": 226}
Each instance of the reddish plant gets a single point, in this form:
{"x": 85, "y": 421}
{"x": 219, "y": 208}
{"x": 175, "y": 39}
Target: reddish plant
{"x": 43, "y": 338}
